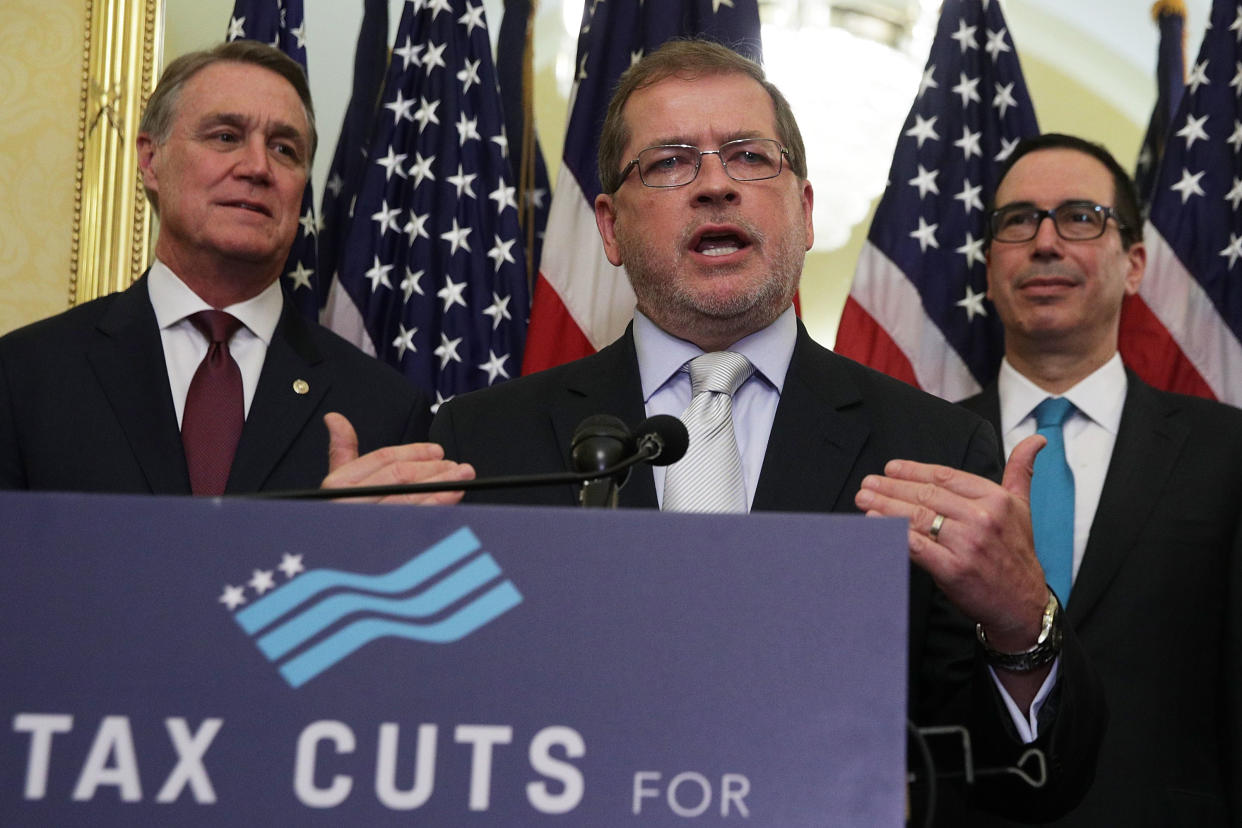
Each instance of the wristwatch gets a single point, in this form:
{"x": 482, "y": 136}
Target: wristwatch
{"x": 1046, "y": 648}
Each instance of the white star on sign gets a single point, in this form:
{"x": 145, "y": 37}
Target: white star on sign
{"x": 261, "y": 581}
{"x": 300, "y": 276}
{"x": 495, "y": 366}
{"x": 923, "y": 129}
{"x": 233, "y": 596}
{"x": 499, "y": 254}
{"x": 498, "y": 310}
{"x": 447, "y": 352}
{"x": 378, "y": 274}
{"x": 925, "y": 181}
{"x": 404, "y": 341}
{"x": 457, "y": 237}
{"x": 973, "y": 303}
{"x": 926, "y": 234}
{"x": 1189, "y": 185}
{"x": 1193, "y": 130}
{"x": 291, "y": 564}
{"x": 451, "y": 293}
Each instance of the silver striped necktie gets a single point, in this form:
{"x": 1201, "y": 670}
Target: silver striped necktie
{"x": 709, "y": 477}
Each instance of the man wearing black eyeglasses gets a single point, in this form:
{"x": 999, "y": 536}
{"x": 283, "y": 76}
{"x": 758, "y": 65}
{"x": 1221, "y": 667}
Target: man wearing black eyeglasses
{"x": 705, "y": 203}
{"x": 1138, "y": 511}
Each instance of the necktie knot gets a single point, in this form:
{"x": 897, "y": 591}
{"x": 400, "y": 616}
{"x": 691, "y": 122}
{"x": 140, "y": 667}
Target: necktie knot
{"x": 720, "y": 371}
{"x": 1053, "y": 412}
{"x": 217, "y": 325}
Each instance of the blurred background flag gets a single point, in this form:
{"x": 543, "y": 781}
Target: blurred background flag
{"x": 433, "y": 264}
{"x": 350, "y": 159}
{"x": 916, "y": 309}
{"x": 1183, "y": 332}
{"x": 581, "y": 301}
{"x": 282, "y": 24}
{"x": 1170, "y": 17}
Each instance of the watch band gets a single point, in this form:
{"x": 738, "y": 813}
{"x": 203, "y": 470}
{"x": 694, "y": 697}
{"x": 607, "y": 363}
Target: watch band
{"x": 1046, "y": 648}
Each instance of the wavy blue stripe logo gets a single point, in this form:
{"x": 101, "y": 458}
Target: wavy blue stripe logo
{"x": 317, "y": 619}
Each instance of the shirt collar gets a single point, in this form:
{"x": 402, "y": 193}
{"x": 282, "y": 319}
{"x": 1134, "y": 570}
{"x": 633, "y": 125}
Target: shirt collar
{"x": 1099, "y": 396}
{"x": 661, "y": 355}
{"x": 173, "y": 301}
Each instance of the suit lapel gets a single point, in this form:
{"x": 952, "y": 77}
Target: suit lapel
{"x": 817, "y": 435}
{"x": 1148, "y": 443}
{"x": 607, "y": 383}
{"x": 280, "y": 411}
{"x": 129, "y": 363}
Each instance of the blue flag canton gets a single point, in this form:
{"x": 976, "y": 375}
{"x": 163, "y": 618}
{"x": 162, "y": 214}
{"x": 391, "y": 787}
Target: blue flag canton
{"x": 282, "y": 23}
{"x": 617, "y": 33}
{"x": 434, "y": 258}
{"x": 971, "y": 110}
{"x": 1198, "y": 193}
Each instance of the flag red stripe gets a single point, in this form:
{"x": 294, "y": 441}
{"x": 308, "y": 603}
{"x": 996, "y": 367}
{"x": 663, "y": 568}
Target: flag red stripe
{"x": 1150, "y": 351}
{"x": 864, "y": 340}
{"x": 552, "y": 337}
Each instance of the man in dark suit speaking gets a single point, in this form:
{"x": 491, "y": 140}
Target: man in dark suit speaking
{"x": 199, "y": 378}
{"x": 707, "y": 206}
{"x": 1145, "y": 545}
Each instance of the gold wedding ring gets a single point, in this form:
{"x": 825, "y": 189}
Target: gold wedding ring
{"x": 934, "y": 532}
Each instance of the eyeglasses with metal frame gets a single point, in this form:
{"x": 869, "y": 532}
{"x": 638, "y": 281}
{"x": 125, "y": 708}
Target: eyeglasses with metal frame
{"x": 1073, "y": 220}
{"x": 676, "y": 165}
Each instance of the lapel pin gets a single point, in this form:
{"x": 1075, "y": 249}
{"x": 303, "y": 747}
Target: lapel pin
{"x": 301, "y": 386}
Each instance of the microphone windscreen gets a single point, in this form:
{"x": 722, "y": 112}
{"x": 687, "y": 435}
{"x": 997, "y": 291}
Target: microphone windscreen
{"x": 671, "y": 435}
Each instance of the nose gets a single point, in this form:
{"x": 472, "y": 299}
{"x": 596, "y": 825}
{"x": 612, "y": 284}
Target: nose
{"x": 713, "y": 184}
{"x": 1047, "y": 241}
{"x": 254, "y": 161}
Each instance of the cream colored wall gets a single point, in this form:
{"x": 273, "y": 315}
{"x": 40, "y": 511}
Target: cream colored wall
{"x": 41, "y": 46}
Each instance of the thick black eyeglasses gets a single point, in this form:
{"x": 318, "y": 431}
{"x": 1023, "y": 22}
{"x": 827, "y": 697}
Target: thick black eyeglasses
{"x": 675, "y": 165}
{"x": 1073, "y": 220}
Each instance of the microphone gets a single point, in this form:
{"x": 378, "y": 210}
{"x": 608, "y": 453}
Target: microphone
{"x": 662, "y": 439}
{"x": 600, "y": 442}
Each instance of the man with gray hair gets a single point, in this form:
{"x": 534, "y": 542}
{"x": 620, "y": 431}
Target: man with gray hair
{"x": 200, "y": 378}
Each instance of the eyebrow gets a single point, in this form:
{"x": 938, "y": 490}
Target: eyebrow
{"x": 741, "y": 135}
{"x": 279, "y": 129}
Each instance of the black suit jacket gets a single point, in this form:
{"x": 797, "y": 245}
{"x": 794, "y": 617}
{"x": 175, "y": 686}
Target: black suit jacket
{"x": 1158, "y": 606}
{"x": 836, "y": 422}
{"x": 85, "y": 404}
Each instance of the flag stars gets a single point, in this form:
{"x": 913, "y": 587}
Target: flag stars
{"x": 237, "y": 28}
{"x": 291, "y": 564}
{"x": 435, "y": 55}
{"x": 926, "y": 235}
{"x": 404, "y": 341}
{"x": 503, "y": 195}
{"x": 502, "y": 141}
{"x": 1235, "y": 140}
{"x": 967, "y": 89}
{"x": 1236, "y": 83}
{"x": 378, "y": 274}
{"x": 421, "y": 169}
{"x": 495, "y": 366}
{"x": 457, "y": 237}
{"x": 1193, "y": 130}
{"x": 996, "y": 43}
{"x": 469, "y": 74}
{"x": 969, "y": 143}
{"x": 1233, "y": 250}
{"x": 972, "y": 303}
{"x": 716, "y": 4}
{"x": 923, "y": 129}
{"x": 1236, "y": 25}
{"x": 925, "y": 181}
{"x": 299, "y": 34}
{"x": 969, "y": 196}
{"x": 301, "y": 276}
{"x": 451, "y": 293}
{"x": 928, "y": 81}
{"x": 464, "y": 182}
{"x": 386, "y": 218}
{"x": 973, "y": 251}
{"x": 467, "y": 130}
{"x": 498, "y": 310}
{"x": 500, "y": 252}
{"x": 965, "y": 36}
{"x": 447, "y": 352}
{"x": 310, "y": 227}
{"x": 1188, "y": 185}
{"x": 400, "y": 108}
{"x": 426, "y": 113}
{"x": 408, "y": 53}
{"x": 1003, "y": 99}
{"x": 416, "y": 227}
{"x": 392, "y": 163}
{"x": 1197, "y": 77}
{"x": 435, "y": 7}
{"x": 1234, "y": 196}
{"x": 233, "y": 596}
{"x": 472, "y": 19}
{"x": 262, "y": 581}
{"x": 412, "y": 283}
{"x": 1008, "y": 145}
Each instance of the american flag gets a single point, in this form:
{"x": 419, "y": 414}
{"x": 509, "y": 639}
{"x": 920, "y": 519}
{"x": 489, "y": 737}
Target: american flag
{"x": 433, "y": 264}
{"x": 350, "y": 160}
{"x": 917, "y": 307}
{"x": 282, "y": 24}
{"x": 1170, "y": 16}
{"x": 1183, "y": 332}
{"x": 581, "y": 301}
{"x": 530, "y": 172}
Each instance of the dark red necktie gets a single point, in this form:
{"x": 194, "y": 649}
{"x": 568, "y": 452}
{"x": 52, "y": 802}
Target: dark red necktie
{"x": 214, "y": 409}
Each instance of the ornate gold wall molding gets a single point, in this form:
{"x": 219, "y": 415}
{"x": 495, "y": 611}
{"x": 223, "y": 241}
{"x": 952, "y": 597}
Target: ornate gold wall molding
{"x": 111, "y": 217}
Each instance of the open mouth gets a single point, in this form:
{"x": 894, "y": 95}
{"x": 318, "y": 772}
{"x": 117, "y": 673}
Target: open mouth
{"x": 719, "y": 242}
{"x": 249, "y": 206}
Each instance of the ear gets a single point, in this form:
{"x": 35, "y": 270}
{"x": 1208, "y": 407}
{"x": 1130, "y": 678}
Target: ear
{"x": 606, "y": 221}
{"x": 808, "y": 201}
{"x": 1137, "y": 256}
{"x": 146, "y": 147}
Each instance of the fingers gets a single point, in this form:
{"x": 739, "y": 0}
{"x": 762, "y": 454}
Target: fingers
{"x": 1021, "y": 467}
{"x": 342, "y": 440}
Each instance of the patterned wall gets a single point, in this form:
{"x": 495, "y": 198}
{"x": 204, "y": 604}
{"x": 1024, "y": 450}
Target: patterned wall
{"x": 40, "y": 83}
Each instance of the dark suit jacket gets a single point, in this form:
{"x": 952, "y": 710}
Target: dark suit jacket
{"x": 85, "y": 404}
{"x": 1158, "y": 606}
{"x": 836, "y": 422}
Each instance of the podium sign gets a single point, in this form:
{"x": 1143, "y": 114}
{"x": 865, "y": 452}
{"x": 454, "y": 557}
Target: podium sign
{"x": 172, "y": 661}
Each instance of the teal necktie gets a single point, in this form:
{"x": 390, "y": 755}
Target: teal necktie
{"x": 1052, "y": 499}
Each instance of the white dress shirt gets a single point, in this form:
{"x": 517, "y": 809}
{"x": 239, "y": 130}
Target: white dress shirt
{"x": 185, "y": 346}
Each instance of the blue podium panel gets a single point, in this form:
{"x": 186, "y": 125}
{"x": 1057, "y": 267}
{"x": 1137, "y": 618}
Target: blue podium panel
{"x": 171, "y": 661}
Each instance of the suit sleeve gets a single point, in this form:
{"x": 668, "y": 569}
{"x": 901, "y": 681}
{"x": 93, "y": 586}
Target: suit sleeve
{"x": 12, "y": 472}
